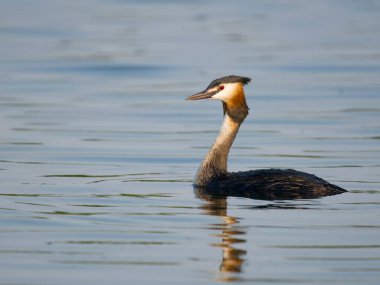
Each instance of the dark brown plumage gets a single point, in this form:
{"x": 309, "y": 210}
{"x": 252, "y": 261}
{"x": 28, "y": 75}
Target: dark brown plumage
{"x": 269, "y": 184}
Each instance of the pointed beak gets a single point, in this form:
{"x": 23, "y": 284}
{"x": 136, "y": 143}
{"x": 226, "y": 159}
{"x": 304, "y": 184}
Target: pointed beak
{"x": 202, "y": 95}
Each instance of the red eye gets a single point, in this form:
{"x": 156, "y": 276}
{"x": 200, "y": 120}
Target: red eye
{"x": 221, "y": 87}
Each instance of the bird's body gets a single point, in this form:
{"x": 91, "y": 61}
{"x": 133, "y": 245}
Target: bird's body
{"x": 213, "y": 178}
{"x": 269, "y": 184}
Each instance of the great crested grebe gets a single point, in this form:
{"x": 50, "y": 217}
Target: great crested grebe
{"x": 212, "y": 177}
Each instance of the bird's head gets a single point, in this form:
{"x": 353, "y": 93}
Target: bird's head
{"x": 229, "y": 90}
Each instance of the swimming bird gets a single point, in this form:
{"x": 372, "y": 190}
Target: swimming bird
{"x": 212, "y": 177}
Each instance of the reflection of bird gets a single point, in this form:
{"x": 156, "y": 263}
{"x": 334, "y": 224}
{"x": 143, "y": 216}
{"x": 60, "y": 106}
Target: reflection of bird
{"x": 212, "y": 176}
{"x": 232, "y": 257}
{"x": 232, "y": 235}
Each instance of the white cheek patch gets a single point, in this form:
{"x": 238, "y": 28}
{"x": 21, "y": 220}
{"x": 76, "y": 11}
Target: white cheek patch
{"x": 226, "y": 93}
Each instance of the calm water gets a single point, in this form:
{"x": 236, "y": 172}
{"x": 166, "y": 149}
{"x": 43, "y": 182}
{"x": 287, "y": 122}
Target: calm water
{"x": 98, "y": 147}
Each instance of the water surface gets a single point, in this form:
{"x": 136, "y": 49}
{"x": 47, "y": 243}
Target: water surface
{"x": 98, "y": 147}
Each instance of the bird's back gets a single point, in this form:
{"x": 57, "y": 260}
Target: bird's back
{"x": 271, "y": 184}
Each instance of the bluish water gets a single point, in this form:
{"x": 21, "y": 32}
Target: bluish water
{"x": 98, "y": 147}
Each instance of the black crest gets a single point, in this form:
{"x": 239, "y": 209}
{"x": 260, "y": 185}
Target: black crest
{"x": 229, "y": 79}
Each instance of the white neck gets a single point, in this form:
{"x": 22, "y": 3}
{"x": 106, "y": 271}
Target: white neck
{"x": 215, "y": 163}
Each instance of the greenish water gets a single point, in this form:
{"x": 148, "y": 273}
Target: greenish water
{"x": 98, "y": 147}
